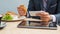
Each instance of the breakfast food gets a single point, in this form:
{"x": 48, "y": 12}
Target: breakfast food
{"x": 11, "y": 13}
{"x": 10, "y": 16}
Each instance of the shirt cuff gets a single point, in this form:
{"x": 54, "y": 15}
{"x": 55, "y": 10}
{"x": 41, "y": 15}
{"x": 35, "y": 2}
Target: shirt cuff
{"x": 53, "y": 18}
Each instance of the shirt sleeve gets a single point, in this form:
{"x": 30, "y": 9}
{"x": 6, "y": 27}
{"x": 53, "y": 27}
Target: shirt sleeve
{"x": 53, "y": 18}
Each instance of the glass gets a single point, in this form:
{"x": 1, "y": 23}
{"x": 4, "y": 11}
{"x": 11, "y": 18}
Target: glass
{"x": 2, "y": 24}
{"x": 0, "y": 19}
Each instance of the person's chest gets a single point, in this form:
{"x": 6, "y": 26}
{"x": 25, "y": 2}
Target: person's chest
{"x": 39, "y": 1}
{"x": 51, "y": 5}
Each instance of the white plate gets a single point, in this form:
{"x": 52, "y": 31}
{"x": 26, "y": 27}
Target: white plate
{"x": 15, "y": 18}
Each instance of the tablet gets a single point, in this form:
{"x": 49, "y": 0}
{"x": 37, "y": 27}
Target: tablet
{"x": 35, "y": 24}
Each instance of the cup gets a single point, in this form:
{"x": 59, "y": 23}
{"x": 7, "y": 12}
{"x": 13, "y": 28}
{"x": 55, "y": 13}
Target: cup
{"x": 2, "y": 24}
{"x": 0, "y": 18}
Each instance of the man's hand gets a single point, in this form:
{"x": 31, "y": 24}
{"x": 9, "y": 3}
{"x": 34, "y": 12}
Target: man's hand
{"x": 45, "y": 17}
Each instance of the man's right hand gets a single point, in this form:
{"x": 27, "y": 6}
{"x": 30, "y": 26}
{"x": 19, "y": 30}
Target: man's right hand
{"x": 45, "y": 17}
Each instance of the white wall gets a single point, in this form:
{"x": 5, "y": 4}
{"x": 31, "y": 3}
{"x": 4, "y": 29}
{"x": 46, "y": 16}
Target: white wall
{"x": 11, "y": 5}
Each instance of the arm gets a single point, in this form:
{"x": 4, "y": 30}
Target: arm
{"x": 31, "y": 5}
{"x": 58, "y": 13}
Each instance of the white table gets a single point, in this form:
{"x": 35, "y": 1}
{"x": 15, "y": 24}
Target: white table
{"x": 11, "y": 28}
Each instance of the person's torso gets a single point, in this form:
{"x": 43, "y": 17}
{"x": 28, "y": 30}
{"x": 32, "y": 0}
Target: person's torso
{"x": 51, "y": 6}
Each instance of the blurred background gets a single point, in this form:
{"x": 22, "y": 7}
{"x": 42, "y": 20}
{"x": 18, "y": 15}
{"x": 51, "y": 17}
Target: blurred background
{"x": 11, "y": 5}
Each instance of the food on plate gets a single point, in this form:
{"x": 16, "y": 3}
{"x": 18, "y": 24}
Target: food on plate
{"x": 10, "y": 16}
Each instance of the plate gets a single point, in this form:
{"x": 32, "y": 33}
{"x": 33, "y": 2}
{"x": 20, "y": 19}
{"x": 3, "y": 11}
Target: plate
{"x": 15, "y": 18}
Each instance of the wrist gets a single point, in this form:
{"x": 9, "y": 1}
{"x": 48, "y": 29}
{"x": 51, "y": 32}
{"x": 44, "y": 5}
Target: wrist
{"x": 53, "y": 18}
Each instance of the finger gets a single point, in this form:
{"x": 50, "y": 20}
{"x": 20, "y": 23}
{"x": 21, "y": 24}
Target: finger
{"x": 45, "y": 16}
{"x": 45, "y": 19}
{"x": 44, "y": 13}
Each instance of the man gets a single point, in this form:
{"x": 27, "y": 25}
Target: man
{"x": 50, "y": 10}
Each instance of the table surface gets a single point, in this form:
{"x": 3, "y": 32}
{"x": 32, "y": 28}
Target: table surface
{"x": 11, "y": 28}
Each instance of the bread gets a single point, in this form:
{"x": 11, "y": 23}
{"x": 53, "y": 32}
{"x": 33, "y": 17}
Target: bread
{"x": 11, "y": 13}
